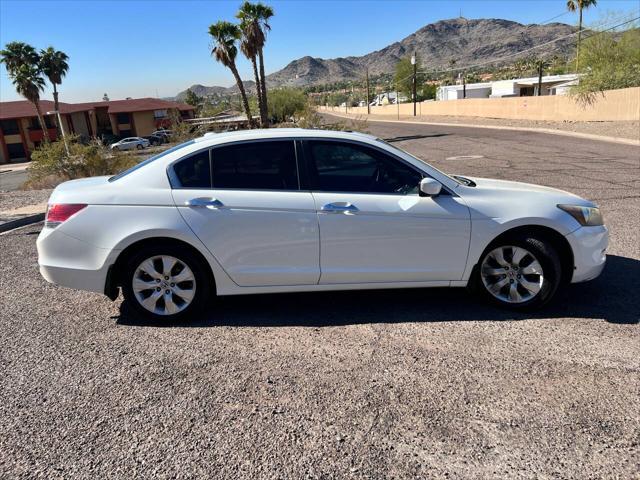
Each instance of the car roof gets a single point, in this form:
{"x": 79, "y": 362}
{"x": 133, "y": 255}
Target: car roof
{"x": 261, "y": 134}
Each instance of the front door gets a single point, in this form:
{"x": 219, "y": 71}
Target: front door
{"x": 244, "y": 203}
{"x": 374, "y": 226}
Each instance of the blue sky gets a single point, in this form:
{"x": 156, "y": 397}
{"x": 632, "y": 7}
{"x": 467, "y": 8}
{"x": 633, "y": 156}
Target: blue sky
{"x": 149, "y": 48}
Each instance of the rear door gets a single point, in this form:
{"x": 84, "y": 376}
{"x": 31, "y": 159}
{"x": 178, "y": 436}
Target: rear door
{"x": 244, "y": 203}
{"x": 374, "y": 225}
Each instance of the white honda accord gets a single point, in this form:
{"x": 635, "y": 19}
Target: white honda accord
{"x": 290, "y": 210}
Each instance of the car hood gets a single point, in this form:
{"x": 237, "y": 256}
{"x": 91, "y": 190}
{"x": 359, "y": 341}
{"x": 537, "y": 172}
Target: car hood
{"x": 508, "y": 201}
{"x": 515, "y": 190}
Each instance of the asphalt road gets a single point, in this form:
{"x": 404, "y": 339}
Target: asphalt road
{"x": 383, "y": 384}
{"x": 11, "y": 180}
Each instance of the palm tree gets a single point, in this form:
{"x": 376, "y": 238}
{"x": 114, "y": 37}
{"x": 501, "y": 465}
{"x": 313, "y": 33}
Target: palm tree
{"x": 572, "y": 6}
{"x": 252, "y": 38}
{"x": 225, "y": 51}
{"x": 54, "y": 65}
{"x": 29, "y": 83}
{"x": 22, "y": 63}
{"x": 263, "y": 13}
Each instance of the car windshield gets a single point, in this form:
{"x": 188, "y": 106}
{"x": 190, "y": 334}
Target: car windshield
{"x": 149, "y": 160}
{"x": 457, "y": 180}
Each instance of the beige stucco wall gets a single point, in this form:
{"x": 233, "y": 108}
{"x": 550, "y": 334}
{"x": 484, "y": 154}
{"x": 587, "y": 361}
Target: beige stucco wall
{"x": 144, "y": 123}
{"x": 2, "y": 159}
{"x": 613, "y": 105}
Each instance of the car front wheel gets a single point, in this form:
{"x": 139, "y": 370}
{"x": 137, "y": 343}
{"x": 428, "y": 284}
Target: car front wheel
{"x": 521, "y": 272}
{"x": 165, "y": 283}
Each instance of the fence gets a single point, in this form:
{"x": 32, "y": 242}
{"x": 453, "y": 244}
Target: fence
{"x": 623, "y": 104}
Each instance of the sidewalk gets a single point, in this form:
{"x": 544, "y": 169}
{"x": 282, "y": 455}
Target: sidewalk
{"x": 21, "y": 208}
{"x": 13, "y": 167}
{"x": 627, "y": 132}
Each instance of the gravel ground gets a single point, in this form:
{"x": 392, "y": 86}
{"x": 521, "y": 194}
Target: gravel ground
{"x": 386, "y": 384}
{"x": 21, "y": 198}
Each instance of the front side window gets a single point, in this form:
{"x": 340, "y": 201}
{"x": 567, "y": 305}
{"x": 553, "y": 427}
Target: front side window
{"x": 347, "y": 167}
{"x": 194, "y": 171}
{"x": 267, "y": 165}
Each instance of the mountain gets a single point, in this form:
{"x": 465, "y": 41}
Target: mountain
{"x": 467, "y": 42}
{"x": 204, "y": 91}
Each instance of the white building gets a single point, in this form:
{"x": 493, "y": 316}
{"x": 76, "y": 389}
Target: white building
{"x": 519, "y": 87}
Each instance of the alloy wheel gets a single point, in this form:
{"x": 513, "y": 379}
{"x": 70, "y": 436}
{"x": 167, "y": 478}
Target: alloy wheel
{"x": 512, "y": 274}
{"x": 164, "y": 285}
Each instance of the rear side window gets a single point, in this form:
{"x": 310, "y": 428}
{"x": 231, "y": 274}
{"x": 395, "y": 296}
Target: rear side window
{"x": 256, "y": 166}
{"x": 194, "y": 171}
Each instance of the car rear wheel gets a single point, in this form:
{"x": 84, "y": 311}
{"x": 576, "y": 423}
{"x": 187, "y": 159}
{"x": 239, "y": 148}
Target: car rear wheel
{"x": 139, "y": 146}
{"x": 165, "y": 283}
{"x": 521, "y": 272}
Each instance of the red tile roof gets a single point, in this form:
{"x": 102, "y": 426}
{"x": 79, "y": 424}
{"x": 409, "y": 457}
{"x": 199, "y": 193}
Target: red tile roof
{"x": 23, "y": 108}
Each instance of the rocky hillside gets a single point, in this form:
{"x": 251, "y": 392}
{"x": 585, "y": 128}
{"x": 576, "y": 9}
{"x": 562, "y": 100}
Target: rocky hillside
{"x": 204, "y": 91}
{"x": 464, "y": 41}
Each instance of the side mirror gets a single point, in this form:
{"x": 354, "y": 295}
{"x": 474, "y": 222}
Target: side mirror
{"x": 430, "y": 187}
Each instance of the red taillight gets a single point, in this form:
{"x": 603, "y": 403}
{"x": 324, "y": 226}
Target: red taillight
{"x": 60, "y": 212}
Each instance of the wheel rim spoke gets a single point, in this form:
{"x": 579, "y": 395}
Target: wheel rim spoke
{"x": 533, "y": 268}
{"x": 492, "y": 271}
{"x": 518, "y": 255}
{"x": 533, "y": 287}
{"x": 498, "y": 256}
{"x": 176, "y": 291}
{"x": 514, "y": 295}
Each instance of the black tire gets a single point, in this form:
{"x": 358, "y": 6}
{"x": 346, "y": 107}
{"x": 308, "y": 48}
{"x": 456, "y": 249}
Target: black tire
{"x": 546, "y": 255}
{"x": 139, "y": 146}
{"x": 204, "y": 288}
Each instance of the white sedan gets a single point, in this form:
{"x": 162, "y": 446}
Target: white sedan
{"x": 289, "y": 210}
{"x": 130, "y": 143}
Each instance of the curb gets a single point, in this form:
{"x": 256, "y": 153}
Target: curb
{"x": 589, "y": 136}
{"x": 21, "y": 222}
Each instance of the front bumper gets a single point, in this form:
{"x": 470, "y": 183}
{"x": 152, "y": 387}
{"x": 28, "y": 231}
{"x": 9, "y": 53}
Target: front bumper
{"x": 589, "y": 245}
{"x": 67, "y": 261}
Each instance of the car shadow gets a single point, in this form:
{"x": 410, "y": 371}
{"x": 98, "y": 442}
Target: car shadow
{"x": 414, "y": 137}
{"x": 613, "y": 297}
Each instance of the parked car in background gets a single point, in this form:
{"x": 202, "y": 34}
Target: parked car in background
{"x": 292, "y": 210}
{"x": 130, "y": 143}
{"x": 166, "y": 134}
{"x": 156, "y": 139}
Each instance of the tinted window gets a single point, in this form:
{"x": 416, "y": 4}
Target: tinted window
{"x": 194, "y": 171}
{"x": 259, "y": 166}
{"x": 9, "y": 127}
{"x": 345, "y": 167}
{"x": 122, "y": 118}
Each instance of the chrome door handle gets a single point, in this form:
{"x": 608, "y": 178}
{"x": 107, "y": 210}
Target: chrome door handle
{"x": 339, "y": 207}
{"x": 204, "y": 202}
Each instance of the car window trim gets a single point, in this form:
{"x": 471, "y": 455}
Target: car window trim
{"x": 175, "y": 182}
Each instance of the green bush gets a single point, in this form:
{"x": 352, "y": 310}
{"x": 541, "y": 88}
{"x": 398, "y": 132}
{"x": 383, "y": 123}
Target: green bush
{"x": 51, "y": 165}
{"x": 285, "y": 104}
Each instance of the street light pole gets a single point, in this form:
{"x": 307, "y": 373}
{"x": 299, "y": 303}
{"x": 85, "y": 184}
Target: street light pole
{"x": 64, "y": 137}
{"x": 413, "y": 62}
{"x": 367, "y": 99}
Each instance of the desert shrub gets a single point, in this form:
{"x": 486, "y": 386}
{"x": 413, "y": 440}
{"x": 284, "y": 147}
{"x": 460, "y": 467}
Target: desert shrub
{"x": 609, "y": 62}
{"x": 284, "y": 104}
{"x": 51, "y": 165}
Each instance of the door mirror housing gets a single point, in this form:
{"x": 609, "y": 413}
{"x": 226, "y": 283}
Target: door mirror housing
{"x": 430, "y": 187}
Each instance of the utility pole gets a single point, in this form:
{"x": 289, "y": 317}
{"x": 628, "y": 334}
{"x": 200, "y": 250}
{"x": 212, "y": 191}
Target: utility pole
{"x": 367, "y": 99}
{"x": 464, "y": 84}
{"x": 540, "y": 66}
{"x": 413, "y": 62}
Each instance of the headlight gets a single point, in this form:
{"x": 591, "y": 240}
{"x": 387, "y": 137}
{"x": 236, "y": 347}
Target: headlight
{"x": 585, "y": 216}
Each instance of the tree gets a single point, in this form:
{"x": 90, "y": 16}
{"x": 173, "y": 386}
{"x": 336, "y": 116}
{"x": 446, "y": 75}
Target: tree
{"x": 404, "y": 76}
{"x": 225, "y": 51}
{"x": 252, "y": 39}
{"x": 29, "y": 83}
{"x": 610, "y": 63}
{"x": 53, "y": 64}
{"x": 192, "y": 99}
{"x": 285, "y": 103}
{"x": 254, "y": 19}
{"x": 580, "y": 5}
{"x": 22, "y": 63}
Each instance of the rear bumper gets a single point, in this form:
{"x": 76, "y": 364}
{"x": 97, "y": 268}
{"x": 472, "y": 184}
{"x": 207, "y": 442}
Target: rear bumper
{"x": 589, "y": 245}
{"x": 69, "y": 262}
